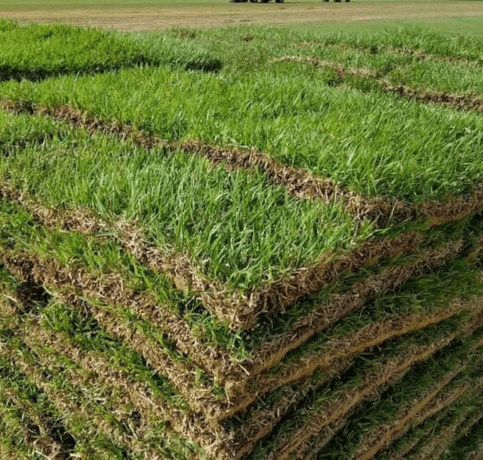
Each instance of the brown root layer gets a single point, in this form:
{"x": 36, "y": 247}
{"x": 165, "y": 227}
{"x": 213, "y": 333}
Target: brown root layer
{"x": 320, "y": 427}
{"x": 426, "y": 406}
{"x": 238, "y": 379}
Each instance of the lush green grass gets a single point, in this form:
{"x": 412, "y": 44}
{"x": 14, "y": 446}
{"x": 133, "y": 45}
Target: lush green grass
{"x": 36, "y": 52}
{"x": 374, "y": 143}
{"x": 260, "y": 233}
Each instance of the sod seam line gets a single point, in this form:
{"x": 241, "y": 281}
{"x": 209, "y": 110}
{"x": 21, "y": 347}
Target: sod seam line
{"x": 435, "y": 426}
{"x": 133, "y": 392}
{"x": 460, "y": 101}
{"x": 181, "y": 375}
{"x": 333, "y": 413}
{"x": 300, "y": 183}
{"x": 419, "y": 54}
{"x": 331, "y": 364}
{"x": 401, "y": 454}
{"x": 60, "y": 401}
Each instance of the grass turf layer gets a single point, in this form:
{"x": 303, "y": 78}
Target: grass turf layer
{"x": 134, "y": 401}
{"x": 325, "y": 408}
{"x": 35, "y": 52}
{"x": 300, "y": 121}
{"x": 67, "y": 323}
{"x": 82, "y": 251}
{"x": 456, "y": 368}
{"x": 81, "y": 268}
{"x": 97, "y": 251}
{"x": 248, "y": 246}
{"x": 442, "y": 436}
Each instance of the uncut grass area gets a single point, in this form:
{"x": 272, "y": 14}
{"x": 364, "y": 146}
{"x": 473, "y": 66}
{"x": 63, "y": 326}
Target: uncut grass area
{"x": 244, "y": 243}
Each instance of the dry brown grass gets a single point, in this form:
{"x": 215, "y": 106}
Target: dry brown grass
{"x": 223, "y": 13}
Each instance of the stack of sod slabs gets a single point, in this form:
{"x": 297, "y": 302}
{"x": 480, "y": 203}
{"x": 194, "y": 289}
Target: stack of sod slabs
{"x": 166, "y": 293}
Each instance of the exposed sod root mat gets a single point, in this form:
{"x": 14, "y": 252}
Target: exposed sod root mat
{"x": 241, "y": 244}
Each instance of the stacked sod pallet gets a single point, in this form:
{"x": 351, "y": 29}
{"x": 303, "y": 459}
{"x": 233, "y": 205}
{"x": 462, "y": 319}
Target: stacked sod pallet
{"x": 168, "y": 292}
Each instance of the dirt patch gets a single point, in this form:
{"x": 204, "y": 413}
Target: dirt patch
{"x": 216, "y": 14}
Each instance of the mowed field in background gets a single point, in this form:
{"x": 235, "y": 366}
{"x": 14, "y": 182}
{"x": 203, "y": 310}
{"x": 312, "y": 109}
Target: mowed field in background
{"x": 141, "y": 15}
{"x": 257, "y": 242}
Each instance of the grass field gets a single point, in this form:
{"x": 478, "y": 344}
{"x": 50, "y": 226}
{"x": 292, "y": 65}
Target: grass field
{"x": 254, "y": 242}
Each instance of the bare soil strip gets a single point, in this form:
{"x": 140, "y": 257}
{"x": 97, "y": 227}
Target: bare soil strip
{"x": 324, "y": 424}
